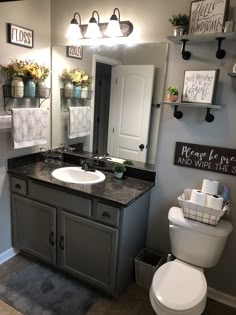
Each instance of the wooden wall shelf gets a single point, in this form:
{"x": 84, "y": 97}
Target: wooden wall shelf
{"x": 200, "y": 38}
{"x": 179, "y": 114}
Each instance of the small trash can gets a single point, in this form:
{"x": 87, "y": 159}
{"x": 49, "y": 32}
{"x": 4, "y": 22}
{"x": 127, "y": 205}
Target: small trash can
{"x": 146, "y": 263}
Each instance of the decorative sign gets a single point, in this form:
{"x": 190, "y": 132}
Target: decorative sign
{"x": 199, "y": 86}
{"x": 204, "y": 157}
{"x": 208, "y": 16}
{"x": 21, "y": 36}
{"x": 74, "y": 52}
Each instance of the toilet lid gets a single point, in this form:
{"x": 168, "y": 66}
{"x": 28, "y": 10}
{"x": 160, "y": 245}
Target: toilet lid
{"x": 179, "y": 286}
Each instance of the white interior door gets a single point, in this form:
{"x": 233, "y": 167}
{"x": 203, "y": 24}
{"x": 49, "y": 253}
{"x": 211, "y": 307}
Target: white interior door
{"x": 130, "y": 107}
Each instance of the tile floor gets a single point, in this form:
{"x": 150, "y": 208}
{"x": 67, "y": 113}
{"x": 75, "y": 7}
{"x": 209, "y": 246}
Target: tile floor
{"x": 134, "y": 301}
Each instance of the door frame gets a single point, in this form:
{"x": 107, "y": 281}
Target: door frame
{"x": 108, "y": 61}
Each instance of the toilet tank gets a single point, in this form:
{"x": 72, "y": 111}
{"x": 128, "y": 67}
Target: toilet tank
{"x": 197, "y": 243}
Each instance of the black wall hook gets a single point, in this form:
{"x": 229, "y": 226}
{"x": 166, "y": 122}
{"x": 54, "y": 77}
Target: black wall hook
{"x": 177, "y": 113}
{"x": 220, "y": 53}
{"x": 185, "y": 54}
{"x": 209, "y": 117}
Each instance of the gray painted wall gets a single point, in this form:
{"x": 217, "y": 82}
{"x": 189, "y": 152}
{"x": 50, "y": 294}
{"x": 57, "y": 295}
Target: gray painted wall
{"x": 27, "y": 14}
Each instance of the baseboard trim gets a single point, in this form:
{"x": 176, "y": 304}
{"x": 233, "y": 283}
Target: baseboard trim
{"x": 221, "y": 297}
{"x": 9, "y": 253}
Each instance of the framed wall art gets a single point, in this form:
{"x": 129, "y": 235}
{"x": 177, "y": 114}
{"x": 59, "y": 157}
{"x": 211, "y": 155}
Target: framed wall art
{"x": 20, "y": 36}
{"x": 74, "y": 52}
{"x": 200, "y": 86}
{"x": 208, "y": 16}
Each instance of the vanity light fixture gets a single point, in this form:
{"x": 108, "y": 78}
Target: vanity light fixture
{"x": 113, "y": 27}
{"x": 74, "y": 31}
{"x": 93, "y": 30}
{"x": 96, "y": 30}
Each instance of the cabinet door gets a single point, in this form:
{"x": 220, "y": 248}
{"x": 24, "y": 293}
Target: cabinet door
{"x": 34, "y": 228}
{"x": 88, "y": 250}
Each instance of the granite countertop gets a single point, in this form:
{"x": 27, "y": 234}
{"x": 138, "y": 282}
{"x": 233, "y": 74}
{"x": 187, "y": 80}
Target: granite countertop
{"x": 122, "y": 192}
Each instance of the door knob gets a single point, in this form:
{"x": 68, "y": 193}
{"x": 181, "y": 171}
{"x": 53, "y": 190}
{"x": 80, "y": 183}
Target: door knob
{"x": 141, "y": 147}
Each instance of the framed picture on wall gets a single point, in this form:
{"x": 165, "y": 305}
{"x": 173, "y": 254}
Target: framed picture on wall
{"x": 74, "y": 52}
{"x": 208, "y": 16}
{"x": 200, "y": 86}
{"x": 21, "y": 36}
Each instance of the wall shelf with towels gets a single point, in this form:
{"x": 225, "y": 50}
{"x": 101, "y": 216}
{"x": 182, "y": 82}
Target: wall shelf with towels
{"x": 202, "y": 38}
{"x": 179, "y": 114}
{"x": 69, "y": 98}
{"x": 40, "y": 96}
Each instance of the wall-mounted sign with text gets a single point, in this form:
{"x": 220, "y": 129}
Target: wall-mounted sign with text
{"x": 74, "y": 52}
{"x": 208, "y": 16}
{"x": 204, "y": 157}
{"x": 21, "y": 36}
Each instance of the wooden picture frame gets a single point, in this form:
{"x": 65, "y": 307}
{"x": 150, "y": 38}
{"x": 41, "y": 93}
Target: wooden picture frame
{"x": 21, "y": 36}
{"x": 208, "y": 16}
{"x": 200, "y": 86}
{"x": 74, "y": 52}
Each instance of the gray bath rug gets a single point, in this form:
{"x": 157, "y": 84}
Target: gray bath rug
{"x": 39, "y": 290}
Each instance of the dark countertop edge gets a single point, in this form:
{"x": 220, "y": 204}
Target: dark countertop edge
{"x": 62, "y": 187}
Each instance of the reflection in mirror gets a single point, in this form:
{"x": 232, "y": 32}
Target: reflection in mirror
{"x": 127, "y": 85}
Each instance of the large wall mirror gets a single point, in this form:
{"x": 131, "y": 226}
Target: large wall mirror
{"x": 127, "y": 87}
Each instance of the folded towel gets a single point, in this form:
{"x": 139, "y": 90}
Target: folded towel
{"x": 5, "y": 121}
{"x": 79, "y": 121}
{"x": 29, "y": 127}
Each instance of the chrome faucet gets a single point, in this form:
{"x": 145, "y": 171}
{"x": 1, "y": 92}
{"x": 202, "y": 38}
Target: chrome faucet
{"x": 106, "y": 157}
{"x": 87, "y": 167}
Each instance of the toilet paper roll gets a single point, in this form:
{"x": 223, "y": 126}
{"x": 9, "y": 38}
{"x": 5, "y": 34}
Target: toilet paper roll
{"x": 214, "y": 201}
{"x": 198, "y": 197}
{"x": 210, "y": 186}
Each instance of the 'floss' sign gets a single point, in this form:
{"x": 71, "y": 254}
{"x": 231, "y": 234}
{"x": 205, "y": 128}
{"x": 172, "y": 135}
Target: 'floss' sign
{"x": 19, "y": 35}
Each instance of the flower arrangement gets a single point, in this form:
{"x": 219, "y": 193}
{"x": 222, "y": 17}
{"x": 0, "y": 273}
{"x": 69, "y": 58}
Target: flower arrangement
{"x": 77, "y": 77}
{"x": 26, "y": 69}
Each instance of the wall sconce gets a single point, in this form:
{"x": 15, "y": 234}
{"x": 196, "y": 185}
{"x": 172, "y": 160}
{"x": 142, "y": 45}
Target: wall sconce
{"x": 113, "y": 27}
{"x": 94, "y": 29}
{"x": 74, "y": 31}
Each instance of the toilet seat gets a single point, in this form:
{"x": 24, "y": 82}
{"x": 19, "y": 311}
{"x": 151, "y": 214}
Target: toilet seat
{"x": 178, "y": 288}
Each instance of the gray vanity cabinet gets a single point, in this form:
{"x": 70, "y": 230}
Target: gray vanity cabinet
{"x": 95, "y": 240}
{"x": 88, "y": 250}
{"x": 34, "y": 228}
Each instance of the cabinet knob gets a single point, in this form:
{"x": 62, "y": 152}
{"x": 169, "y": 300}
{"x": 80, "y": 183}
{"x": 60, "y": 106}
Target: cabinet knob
{"x": 61, "y": 243}
{"x": 17, "y": 186}
{"x": 106, "y": 214}
{"x": 51, "y": 239}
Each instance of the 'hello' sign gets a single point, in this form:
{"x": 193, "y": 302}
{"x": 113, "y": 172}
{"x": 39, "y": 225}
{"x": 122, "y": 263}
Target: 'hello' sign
{"x": 204, "y": 157}
{"x": 19, "y": 35}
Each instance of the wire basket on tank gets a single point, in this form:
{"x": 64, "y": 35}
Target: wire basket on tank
{"x": 198, "y": 212}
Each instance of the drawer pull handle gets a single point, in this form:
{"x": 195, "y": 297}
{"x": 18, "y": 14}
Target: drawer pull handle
{"x": 17, "y": 186}
{"x": 51, "y": 239}
{"x": 61, "y": 243}
{"x": 106, "y": 214}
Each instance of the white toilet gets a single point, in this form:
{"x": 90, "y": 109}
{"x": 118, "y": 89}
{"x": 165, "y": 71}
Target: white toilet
{"x": 179, "y": 286}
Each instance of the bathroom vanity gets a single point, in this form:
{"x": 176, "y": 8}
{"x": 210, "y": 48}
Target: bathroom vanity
{"x": 93, "y": 232}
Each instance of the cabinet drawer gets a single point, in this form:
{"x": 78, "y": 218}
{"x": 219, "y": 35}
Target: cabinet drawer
{"x": 61, "y": 199}
{"x": 108, "y": 214}
{"x": 18, "y": 185}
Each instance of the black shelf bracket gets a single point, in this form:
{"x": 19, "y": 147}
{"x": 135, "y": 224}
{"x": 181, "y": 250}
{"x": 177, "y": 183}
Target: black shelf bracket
{"x": 177, "y": 113}
{"x": 220, "y": 53}
{"x": 209, "y": 117}
{"x": 185, "y": 54}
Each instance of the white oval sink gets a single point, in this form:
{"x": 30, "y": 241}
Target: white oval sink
{"x": 77, "y": 175}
